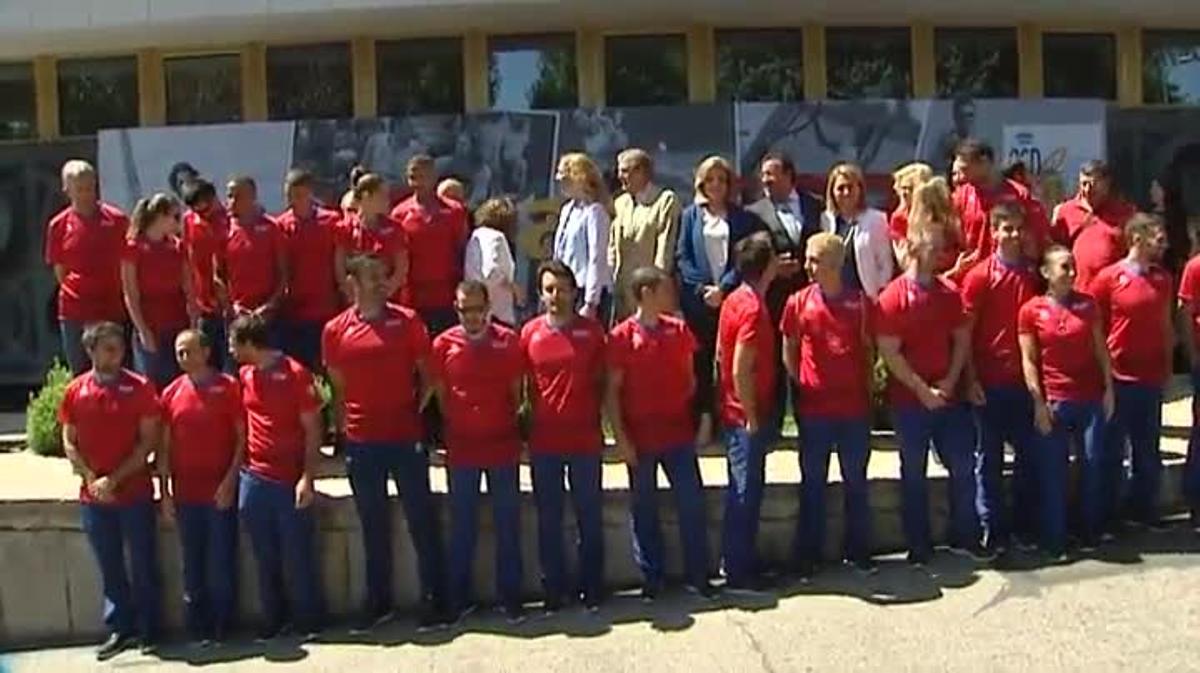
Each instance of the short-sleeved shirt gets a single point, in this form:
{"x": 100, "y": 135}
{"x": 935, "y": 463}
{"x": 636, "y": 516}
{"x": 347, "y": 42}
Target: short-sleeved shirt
{"x": 1189, "y": 294}
{"x": 160, "y": 268}
{"x": 479, "y": 408}
{"x": 385, "y": 239}
{"x": 658, "y": 384}
{"x": 993, "y": 292}
{"x": 107, "y": 418}
{"x": 202, "y": 417}
{"x": 89, "y": 250}
{"x": 974, "y": 204}
{"x": 1066, "y": 350}
{"x": 437, "y": 237}
{"x": 745, "y": 321}
{"x": 377, "y": 360}
{"x": 923, "y": 318}
{"x": 1097, "y": 237}
{"x": 251, "y": 255}
{"x": 1133, "y": 308}
{"x": 311, "y": 242}
{"x": 203, "y": 241}
{"x": 564, "y": 365}
{"x": 274, "y": 398}
{"x": 830, "y": 334}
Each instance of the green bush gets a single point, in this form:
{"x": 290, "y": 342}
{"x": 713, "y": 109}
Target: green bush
{"x": 325, "y": 391}
{"x": 42, "y": 430}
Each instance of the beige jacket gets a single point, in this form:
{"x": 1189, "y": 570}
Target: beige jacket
{"x": 643, "y": 234}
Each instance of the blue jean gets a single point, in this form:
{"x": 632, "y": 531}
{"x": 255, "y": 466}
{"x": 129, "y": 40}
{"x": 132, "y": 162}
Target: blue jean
{"x": 1137, "y": 418}
{"x": 584, "y": 472}
{"x": 213, "y": 327}
{"x": 301, "y": 339}
{"x": 819, "y": 436}
{"x": 504, "y": 490}
{"x": 1006, "y": 417}
{"x": 208, "y": 537}
{"x": 160, "y": 366}
{"x": 71, "y": 332}
{"x": 683, "y": 473}
{"x": 369, "y": 465}
{"x": 1080, "y": 424}
{"x": 1191, "y": 469}
{"x": 113, "y": 530}
{"x": 952, "y": 434}
{"x": 746, "y": 457}
{"x": 282, "y": 535}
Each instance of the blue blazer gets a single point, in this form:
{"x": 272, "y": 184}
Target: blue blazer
{"x": 691, "y": 260}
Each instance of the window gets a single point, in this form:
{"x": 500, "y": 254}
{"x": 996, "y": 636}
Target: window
{"x": 760, "y": 65}
{"x": 204, "y": 89}
{"x": 645, "y": 70}
{"x": 419, "y": 76}
{"x": 97, "y": 93}
{"x": 1171, "y": 66}
{"x": 1079, "y": 65}
{"x": 976, "y": 62}
{"x": 18, "y": 112}
{"x": 531, "y": 72}
{"x": 868, "y": 63}
{"x": 310, "y": 81}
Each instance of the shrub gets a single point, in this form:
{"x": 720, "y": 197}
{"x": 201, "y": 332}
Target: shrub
{"x": 325, "y": 392}
{"x": 42, "y": 430}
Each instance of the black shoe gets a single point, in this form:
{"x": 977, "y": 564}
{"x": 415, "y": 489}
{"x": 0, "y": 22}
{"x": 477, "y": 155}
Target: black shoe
{"x": 1054, "y": 556}
{"x": 271, "y": 632}
{"x": 976, "y": 552}
{"x": 147, "y": 646}
{"x": 919, "y": 559}
{"x": 591, "y": 601}
{"x": 371, "y": 620}
{"x": 461, "y": 613}
{"x": 430, "y": 617}
{"x": 514, "y": 613}
{"x": 863, "y": 566}
{"x": 1195, "y": 520}
{"x": 805, "y": 570}
{"x": 1157, "y": 526}
{"x": 704, "y": 590}
{"x": 116, "y": 644}
{"x": 553, "y": 603}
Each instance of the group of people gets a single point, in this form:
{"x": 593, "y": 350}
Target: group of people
{"x": 997, "y": 322}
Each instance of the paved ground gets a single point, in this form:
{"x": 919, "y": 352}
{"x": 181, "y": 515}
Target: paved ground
{"x": 1135, "y": 609}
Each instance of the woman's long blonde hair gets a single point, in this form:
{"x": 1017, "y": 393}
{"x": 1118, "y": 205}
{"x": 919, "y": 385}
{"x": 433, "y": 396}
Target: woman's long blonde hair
{"x": 581, "y": 171}
{"x": 911, "y": 176}
{"x": 708, "y": 165}
{"x": 931, "y": 208}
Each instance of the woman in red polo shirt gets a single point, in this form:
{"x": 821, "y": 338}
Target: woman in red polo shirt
{"x": 156, "y": 284}
{"x": 370, "y": 230}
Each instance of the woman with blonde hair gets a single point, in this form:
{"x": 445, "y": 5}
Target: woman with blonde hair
{"x": 581, "y": 238}
{"x": 905, "y": 181}
{"x": 489, "y": 258}
{"x": 709, "y": 229}
{"x": 369, "y": 229}
{"x": 869, "y": 263}
{"x": 932, "y": 208}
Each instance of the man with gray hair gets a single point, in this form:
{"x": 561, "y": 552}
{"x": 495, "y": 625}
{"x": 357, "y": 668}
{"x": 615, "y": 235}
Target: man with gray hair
{"x": 83, "y": 247}
{"x": 644, "y": 229}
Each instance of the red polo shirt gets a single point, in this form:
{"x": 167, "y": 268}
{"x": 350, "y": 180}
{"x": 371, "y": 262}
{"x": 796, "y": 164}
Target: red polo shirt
{"x": 831, "y": 338}
{"x": 160, "y": 268}
{"x": 1189, "y": 294}
{"x": 1096, "y": 237}
{"x": 744, "y": 320}
{"x": 89, "y": 249}
{"x": 437, "y": 237}
{"x": 923, "y": 318}
{"x": 203, "y": 240}
{"x": 480, "y": 412}
{"x": 974, "y": 204}
{"x": 312, "y": 287}
{"x": 659, "y": 382}
{"x": 377, "y": 360}
{"x": 1068, "y": 365}
{"x": 251, "y": 255}
{"x": 106, "y": 417}
{"x": 203, "y": 419}
{"x": 993, "y": 292}
{"x": 565, "y": 366}
{"x": 1133, "y": 306}
{"x": 274, "y": 399}
{"x": 385, "y": 240}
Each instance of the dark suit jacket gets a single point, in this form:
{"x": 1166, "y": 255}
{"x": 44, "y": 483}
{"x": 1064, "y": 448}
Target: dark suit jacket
{"x": 810, "y": 207}
{"x": 691, "y": 261}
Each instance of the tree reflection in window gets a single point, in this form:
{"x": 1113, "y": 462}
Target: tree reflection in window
{"x": 760, "y": 65}
{"x": 531, "y": 72}
{"x": 976, "y": 62}
{"x": 17, "y": 109}
{"x": 868, "y": 63}
{"x": 311, "y": 81}
{"x": 97, "y": 93}
{"x": 645, "y": 70}
{"x": 204, "y": 89}
{"x": 1171, "y": 66}
{"x": 421, "y": 76}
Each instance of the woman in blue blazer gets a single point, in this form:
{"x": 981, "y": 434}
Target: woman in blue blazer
{"x": 709, "y": 229}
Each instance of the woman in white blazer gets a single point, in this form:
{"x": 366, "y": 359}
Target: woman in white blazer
{"x": 870, "y": 262}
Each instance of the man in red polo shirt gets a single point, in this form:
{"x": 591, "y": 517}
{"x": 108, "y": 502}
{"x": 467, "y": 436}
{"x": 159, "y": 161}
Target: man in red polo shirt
{"x": 477, "y": 372}
{"x": 376, "y": 354}
{"x": 746, "y": 372}
{"x": 311, "y": 238}
{"x": 83, "y": 247}
{"x": 205, "y": 226}
{"x": 437, "y": 237}
{"x": 275, "y": 494}
{"x": 1189, "y": 315}
{"x": 1093, "y": 222}
{"x": 204, "y": 441}
{"x": 649, "y": 397}
{"x": 564, "y": 356}
{"x": 993, "y": 292}
{"x": 109, "y": 417}
{"x": 1135, "y": 301}
{"x": 923, "y": 338}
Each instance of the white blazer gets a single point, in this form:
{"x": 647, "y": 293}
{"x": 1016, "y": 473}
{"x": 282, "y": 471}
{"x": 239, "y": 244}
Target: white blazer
{"x": 872, "y": 249}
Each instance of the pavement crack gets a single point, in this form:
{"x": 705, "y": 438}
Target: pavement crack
{"x": 754, "y": 643}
